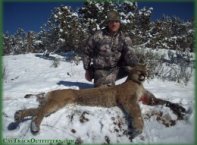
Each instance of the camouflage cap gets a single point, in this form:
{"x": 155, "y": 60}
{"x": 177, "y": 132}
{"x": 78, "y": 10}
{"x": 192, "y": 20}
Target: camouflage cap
{"x": 113, "y": 16}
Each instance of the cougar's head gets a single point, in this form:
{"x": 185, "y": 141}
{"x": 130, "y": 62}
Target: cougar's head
{"x": 137, "y": 73}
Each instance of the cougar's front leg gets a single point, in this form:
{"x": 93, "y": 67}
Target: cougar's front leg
{"x": 135, "y": 120}
{"x": 47, "y": 109}
{"x": 149, "y": 99}
{"x": 21, "y": 114}
{"x": 36, "y": 121}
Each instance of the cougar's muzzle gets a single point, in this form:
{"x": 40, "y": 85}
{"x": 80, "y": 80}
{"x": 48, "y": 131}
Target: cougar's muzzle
{"x": 142, "y": 75}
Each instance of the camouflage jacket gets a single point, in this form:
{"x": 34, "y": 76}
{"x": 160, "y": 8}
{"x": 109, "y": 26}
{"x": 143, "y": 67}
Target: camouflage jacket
{"x": 105, "y": 50}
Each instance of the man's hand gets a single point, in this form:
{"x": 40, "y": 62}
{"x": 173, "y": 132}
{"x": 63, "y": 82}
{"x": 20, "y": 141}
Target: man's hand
{"x": 89, "y": 75}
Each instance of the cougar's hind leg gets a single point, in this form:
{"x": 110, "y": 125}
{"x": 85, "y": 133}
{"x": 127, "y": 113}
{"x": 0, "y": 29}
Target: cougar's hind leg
{"x": 21, "y": 114}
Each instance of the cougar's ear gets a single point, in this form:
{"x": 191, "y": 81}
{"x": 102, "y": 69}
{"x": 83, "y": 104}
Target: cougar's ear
{"x": 128, "y": 68}
{"x": 144, "y": 64}
{"x": 147, "y": 65}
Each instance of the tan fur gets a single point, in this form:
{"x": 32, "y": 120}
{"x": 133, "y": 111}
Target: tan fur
{"x": 125, "y": 96}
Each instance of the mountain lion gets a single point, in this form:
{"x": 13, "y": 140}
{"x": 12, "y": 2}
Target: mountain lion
{"x": 125, "y": 96}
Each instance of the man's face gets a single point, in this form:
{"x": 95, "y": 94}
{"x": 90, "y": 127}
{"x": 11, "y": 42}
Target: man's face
{"x": 114, "y": 26}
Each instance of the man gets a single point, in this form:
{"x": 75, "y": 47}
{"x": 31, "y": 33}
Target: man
{"x": 106, "y": 56}
{"x": 109, "y": 49}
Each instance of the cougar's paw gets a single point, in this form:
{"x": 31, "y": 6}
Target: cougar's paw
{"x": 18, "y": 116}
{"x": 34, "y": 127}
{"x": 178, "y": 110}
{"x": 132, "y": 133}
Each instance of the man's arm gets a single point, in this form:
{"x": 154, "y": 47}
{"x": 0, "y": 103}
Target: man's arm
{"x": 129, "y": 56}
{"x": 88, "y": 53}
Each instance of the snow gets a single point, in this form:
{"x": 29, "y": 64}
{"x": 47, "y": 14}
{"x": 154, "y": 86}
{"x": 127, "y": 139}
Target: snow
{"x": 130, "y": 14}
{"x": 128, "y": 2}
{"x": 74, "y": 14}
{"x": 61, "y": 39}
{"x": 125, "y": 21}
{"x": 38, "y": 42}
{"x": 33, "y": 73}
{"x": 60, "y": 13}
{"x": 61, "y": 30}
{"x": 55, "y": 16}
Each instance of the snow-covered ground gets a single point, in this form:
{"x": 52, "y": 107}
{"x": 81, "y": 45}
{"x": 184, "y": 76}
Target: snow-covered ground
{"x": 30, "y": 73}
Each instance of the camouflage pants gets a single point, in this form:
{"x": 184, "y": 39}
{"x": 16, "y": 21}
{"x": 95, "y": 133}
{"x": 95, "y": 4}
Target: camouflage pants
{"x": 107, "y": 77}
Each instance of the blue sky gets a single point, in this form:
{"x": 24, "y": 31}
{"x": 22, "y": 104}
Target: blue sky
{"x": 32, "y": 15}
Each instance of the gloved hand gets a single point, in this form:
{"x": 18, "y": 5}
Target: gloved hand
{"x": 89, "y": 75}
